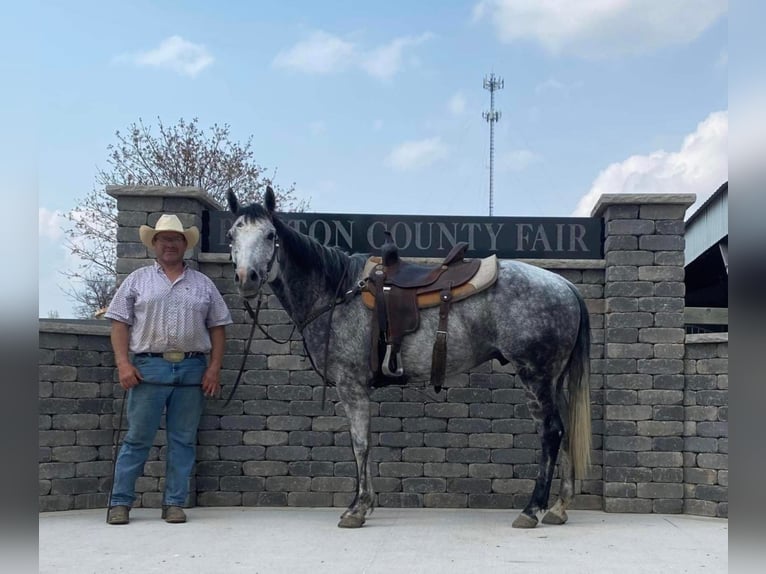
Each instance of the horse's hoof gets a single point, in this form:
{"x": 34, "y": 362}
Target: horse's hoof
{"x": 555, "y": 518}
{"x": 351, "y": 521}
{"x": 524, "y": 521}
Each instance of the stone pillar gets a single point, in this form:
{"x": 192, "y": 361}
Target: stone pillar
{"x": 644, "y": 349}
{"x": 142, "y": 205}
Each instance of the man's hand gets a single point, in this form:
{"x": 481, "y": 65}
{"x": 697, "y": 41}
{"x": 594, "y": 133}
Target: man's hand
{"x": 211, "y": 381}
{"x": 129, "y": 375}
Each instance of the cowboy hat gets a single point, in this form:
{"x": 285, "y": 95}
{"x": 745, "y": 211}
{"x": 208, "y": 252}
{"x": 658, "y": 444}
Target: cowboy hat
{"x": 168, "y": 222}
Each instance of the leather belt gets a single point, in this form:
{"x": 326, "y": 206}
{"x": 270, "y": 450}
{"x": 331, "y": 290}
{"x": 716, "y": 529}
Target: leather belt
{"x": 172, "y": 356}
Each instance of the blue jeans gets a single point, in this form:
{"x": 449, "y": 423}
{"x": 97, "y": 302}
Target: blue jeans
{"x": 174, "y": 388}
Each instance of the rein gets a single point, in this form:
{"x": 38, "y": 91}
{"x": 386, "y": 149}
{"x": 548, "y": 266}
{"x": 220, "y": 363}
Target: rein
{"x": 346, "y": 298}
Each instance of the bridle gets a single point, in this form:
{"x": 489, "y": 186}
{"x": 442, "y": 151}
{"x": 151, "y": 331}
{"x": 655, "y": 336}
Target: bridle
{"x": 312, "y": 316}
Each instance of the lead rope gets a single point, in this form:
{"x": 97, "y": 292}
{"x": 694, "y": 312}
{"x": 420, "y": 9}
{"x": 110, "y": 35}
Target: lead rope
{"x": 331, "y": 308}
{"x": 115, "y": 442}
{"x": 254, "y": 317}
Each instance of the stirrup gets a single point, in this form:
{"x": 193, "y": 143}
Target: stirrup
{"x": 387, "y": 362}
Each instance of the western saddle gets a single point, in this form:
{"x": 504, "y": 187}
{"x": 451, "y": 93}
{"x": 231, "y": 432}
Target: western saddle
{"x": 396, "y": 290}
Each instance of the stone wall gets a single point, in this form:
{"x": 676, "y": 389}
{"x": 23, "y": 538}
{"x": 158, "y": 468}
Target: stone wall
{"x": 706, "y": 428}
{"x": 473, "y": 445}
{"x": 75, "y": 414}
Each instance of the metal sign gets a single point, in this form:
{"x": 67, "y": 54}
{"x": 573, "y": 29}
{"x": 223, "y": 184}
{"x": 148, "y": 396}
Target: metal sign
{"x": 434, "y": 236}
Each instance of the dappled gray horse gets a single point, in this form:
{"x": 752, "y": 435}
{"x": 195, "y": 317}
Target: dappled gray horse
{"x": 530, "y": 316}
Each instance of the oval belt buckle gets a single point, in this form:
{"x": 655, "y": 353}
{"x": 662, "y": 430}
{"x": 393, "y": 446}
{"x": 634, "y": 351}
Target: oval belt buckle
{"x": 173, "y": 356}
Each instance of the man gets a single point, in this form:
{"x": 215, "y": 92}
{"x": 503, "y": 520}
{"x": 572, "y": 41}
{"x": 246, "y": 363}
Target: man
{"x": 169, "y": 316}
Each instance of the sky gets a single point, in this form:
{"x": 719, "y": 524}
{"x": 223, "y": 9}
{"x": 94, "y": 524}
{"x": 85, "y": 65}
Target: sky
{"x": 377, "y": 107}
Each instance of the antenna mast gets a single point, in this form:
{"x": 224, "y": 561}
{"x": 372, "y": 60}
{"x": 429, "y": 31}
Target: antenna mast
{"x": 492, "y": 84}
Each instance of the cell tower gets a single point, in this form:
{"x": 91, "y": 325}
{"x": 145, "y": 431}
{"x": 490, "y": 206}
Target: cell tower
{"x": 492, "y": 84}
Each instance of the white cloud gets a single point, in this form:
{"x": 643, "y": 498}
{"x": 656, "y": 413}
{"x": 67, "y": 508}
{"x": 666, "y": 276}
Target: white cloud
{"x": 457, "y": 104}
{"x": 700, "y": 167}
{"x": 517, "y": 160}
{"x": 600, "y": 28}
{"x": 322, "y": 53}
{"x": 416, "y": 154}
{"x": 173, "y": 53}
{"x": 385, "y": 61}
{"x": 50, "y": 224}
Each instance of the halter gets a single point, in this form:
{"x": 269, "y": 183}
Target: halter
{"x": 312, "y": 316}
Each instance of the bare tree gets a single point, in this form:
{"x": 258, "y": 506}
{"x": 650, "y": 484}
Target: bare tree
{"x": 182, "y": 154}
{"x": 93, "y": 294}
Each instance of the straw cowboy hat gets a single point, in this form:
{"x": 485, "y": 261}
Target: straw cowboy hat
{"x": 168, "y": 222}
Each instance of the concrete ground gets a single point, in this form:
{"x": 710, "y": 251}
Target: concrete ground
{"x": 394, "y": 540}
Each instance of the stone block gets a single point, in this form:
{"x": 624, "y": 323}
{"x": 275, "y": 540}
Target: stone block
{"x": 636, "y": 258}
{"x": 423, "y": 454}
{"x": 628, "y": 505}
{"x": 446, "y": 410}
{"x": 445, "y": 440}
{"x": 629, "y": 289}
{"x": 468, "y": 455}
{"x": 400, "y": 469}
{"x": 469, "y": 425}
{"x": 628, "y": 381}
{"x": 661, "y": 335}
{"x": 629, "y": 350}
{"x": 288, "y": 423}
{"x": 490, "y": 470}
{"x": 622, "y": 320}
{"x": 268, "y": 467}
{"x": 660, "y": 366}
{"x": 671, "y": 381}
{"x": 669, "y": 351}
{"x": 620, "y": 243}
{"x": 661, "y": 274}
{"x": 629, "y": 227}
{"x": 423, "y": 485}
{"x": 445, "y": 469}
{"x": 620, "y": 366}
{"x": 713, "y": 461}
{"x": 661, "y": 243}
{"x": 660, "y": 428}
{"x": 514, "y": 456}
{"x": 661, "y": 304}
{"x": 670, "y": 288}
{"x": 630, "y": 412}
{"x": 620, "y": 428}
{"x": 242, "y": 483}
{"x": 400, "y": 500}
{"x": 470, "y": 485}
{"x": 628, "y": 443}
{"x": 264, "y": 499}
{"x": 668, "y": 413}
{"x": 57, "y": 373}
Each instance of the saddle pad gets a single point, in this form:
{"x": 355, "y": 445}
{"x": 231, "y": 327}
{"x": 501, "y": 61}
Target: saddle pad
{"x": 485, "y": 277}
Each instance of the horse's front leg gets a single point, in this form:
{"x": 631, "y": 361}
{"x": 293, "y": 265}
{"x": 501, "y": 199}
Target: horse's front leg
{"x": 356, "y": 402}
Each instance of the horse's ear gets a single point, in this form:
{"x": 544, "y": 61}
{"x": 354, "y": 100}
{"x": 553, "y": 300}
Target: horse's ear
{"x": 232, "y": 199}
{"x": 269, "y": 201}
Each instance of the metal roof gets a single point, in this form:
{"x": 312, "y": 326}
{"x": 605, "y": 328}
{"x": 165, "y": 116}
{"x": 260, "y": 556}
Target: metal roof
{"x": 708, "y": 225}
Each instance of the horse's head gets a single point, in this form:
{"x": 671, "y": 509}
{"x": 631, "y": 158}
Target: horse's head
{"x": 253, "y": 241}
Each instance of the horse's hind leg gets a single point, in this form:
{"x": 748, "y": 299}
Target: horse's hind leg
{"x": 544, "y": 410}
{"x": 558, "y": 512}
{"x": 357, "y": 406}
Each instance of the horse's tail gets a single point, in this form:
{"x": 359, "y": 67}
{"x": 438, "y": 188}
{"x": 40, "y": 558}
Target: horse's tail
{"x": 578, "y": 376}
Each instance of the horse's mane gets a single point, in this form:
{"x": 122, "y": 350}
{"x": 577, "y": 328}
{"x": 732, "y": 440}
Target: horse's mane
{"x": 309, "y": 253}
